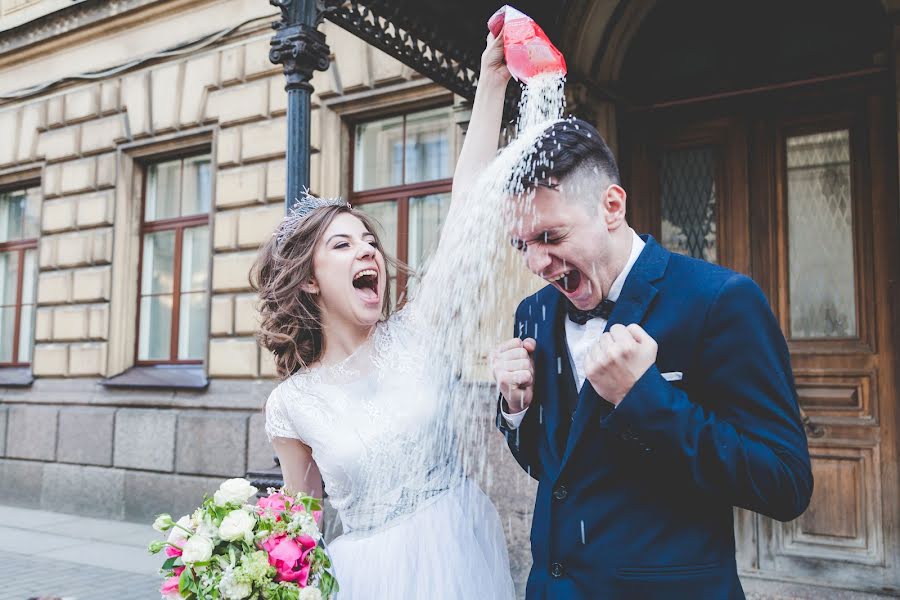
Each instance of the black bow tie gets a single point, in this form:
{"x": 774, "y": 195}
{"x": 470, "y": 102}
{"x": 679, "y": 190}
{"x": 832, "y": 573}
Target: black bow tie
{"x": 601, "y": 311}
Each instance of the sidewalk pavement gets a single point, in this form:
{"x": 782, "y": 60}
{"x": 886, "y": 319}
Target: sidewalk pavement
{"x": 47, "y": 554}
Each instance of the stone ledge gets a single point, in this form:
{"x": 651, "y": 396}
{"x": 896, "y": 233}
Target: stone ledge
{"x": 166, "y": 377}
{"x": 16, "y": 377}
{"x": 234, "y": 394}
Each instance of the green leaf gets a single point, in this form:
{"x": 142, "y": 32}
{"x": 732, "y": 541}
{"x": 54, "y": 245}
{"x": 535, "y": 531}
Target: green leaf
{"x": 170, "y": 562}
{"x": 185, "y": 581}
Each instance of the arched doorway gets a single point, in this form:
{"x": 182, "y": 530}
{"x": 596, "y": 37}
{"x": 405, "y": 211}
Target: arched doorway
{"x": 763, "y": 136}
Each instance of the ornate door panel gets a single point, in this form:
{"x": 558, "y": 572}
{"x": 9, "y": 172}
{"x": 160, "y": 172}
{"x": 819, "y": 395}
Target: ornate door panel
{"x": 803, "y": 200}
{"x": 835, "y": 235}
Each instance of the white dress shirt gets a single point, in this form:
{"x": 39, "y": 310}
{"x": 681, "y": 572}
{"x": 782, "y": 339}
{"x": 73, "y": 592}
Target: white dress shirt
{"x": 580, "y": 338}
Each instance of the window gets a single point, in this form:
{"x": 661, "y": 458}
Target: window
{"x": 174, "y": 274}
{"x": 820, "y": 241}
{"x": 401, "y": 176}
{"x": 19, "y": 228}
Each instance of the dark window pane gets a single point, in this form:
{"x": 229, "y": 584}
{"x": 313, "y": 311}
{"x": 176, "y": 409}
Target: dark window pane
{"x": 7, "y": 332}
{"x": 192, "y": 326}
{"x": 26, "y": 319}
{"x": 156, "y": 328}
{"x": 12, "y": 216}
{"x": 158, "y": 263}
{"x": 29, "y": 276}
{"x": 163, "y": 187}
{"x": 195, "y": 259}
{"x": 9, "y": 277}
{"x": 688, "y": 202}
{"x": 426, "y": 216}
{"x": 196, "y": 191}
{"x": 820, "y": 236}
{"x": 429, "y": 137}
{"x": 378, "y": 154}
{"x": 32, "y": 226}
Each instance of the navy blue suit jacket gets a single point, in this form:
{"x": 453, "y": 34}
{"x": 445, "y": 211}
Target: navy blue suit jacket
{"x": 637, "y": 502}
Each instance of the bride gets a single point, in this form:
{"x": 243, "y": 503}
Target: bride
{"x": 359, "y": 411}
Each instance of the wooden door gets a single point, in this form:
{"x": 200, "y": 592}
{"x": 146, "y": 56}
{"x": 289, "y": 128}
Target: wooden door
{"x": 805, "y": 202}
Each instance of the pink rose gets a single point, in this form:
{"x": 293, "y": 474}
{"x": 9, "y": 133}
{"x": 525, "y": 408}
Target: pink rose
{"x": 169, "y": 588}
{"x": 172, "y": 551}
{"x": 275, "y": 502}
{"x": 290, "y": 557}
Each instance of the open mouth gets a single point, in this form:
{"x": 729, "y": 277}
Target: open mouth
{"x": 366, "y": 284}
{"x": 567, "y": 281}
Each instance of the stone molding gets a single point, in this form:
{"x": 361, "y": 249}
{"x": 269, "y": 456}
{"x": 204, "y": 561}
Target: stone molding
{"x": 64, "y": 20}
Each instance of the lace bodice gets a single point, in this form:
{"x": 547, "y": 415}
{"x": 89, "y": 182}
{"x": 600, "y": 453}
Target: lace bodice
{"x": 375, "y": 424}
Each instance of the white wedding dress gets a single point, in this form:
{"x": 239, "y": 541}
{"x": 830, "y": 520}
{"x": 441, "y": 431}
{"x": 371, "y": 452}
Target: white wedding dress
{"x": 414, "y": 526}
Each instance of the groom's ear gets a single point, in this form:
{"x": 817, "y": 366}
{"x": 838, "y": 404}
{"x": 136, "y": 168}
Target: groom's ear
{"x": 613, "y": 201}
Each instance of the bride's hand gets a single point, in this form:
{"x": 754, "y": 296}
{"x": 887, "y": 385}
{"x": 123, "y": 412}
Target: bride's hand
{"x": 493, "y": 61}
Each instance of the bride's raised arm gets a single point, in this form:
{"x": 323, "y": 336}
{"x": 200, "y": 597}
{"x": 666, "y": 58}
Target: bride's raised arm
{"x": 478, "y": 150}
{"x": 483, "y": 133}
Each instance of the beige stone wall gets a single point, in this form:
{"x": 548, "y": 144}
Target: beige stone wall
{"x": 85, "y": 141}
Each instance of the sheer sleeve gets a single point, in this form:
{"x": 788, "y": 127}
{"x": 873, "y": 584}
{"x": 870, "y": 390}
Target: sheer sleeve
{"x": 278, "y": 424}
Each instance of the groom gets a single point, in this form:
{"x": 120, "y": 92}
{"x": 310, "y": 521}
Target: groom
{"x": 647, "y": 392}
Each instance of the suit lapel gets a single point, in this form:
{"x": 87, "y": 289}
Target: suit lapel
{"x": 560, "y": 378}
{"x": 631, "y": 307}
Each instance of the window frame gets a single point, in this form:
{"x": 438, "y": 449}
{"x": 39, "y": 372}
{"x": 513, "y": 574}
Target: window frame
{"x": 400, "y": 194}
{"x": 20, "y": 247}
{"x": 178, "y": 225}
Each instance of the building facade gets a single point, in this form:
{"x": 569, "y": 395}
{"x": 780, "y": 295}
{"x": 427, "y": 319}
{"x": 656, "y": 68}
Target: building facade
{"x": 142, "y": 164}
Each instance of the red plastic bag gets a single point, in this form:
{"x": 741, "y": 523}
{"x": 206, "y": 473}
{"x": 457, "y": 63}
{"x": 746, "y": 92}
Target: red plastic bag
{"x": 526, "y": 47}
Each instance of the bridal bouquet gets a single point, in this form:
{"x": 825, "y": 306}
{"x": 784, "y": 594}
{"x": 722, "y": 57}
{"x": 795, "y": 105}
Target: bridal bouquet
{"x": 229, "y": 549}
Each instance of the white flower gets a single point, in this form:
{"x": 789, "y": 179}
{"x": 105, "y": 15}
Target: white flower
{"x": 178, "y": 535}
{"x": 310, "y": 593}
{"x": 234, "y": 490}
{"x": 303, "y": 522}
{"x": 208, "y": 529}
{"x": 231, "y": 589}
{"x": 197, "y": 549}
{"x": 162, "y": 523}
{"x": 238, "y": 524}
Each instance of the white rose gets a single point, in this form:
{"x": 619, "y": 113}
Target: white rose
{"x": 238, "y": 524}
{"x": 178, "y": 535}
{"x": 310, "y": 593}
{"x": 234, "y": 490}
{"x": 197, "y": 549}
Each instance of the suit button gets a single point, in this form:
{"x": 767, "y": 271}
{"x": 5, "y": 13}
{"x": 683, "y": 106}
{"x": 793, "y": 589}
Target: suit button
{"x": 556, "y": 570}
{"x": 560, "y": 493}
{"x": 628, "y": 435}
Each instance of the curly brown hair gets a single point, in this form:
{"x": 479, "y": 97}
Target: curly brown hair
{"x": 290, "y": 325}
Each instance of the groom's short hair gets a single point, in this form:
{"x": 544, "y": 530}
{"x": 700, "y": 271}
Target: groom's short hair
{"x": 567, "y": 147}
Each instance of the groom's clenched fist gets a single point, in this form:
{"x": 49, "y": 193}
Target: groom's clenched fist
{"x": 615, "y": 363}
{"x": 513, "y": 370}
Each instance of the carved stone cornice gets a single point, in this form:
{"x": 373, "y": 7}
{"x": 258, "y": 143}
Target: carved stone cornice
{"x": 70, "y": 18}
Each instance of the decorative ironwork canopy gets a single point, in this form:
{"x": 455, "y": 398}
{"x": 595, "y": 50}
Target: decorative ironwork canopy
{"x": 442, "y": 40}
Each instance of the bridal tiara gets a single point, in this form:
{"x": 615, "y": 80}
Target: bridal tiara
{"x": 302, "y": 208}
